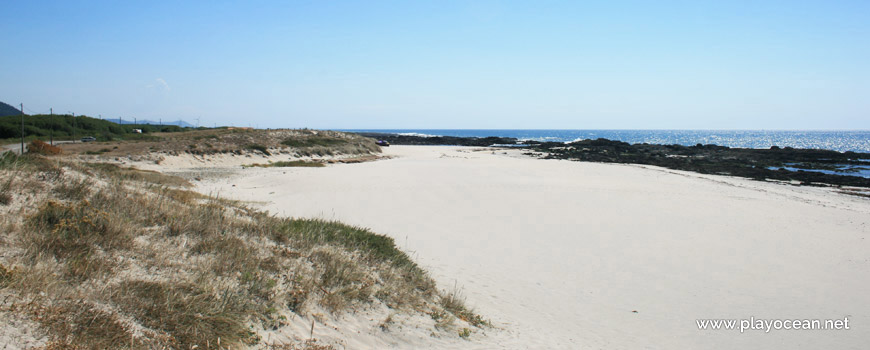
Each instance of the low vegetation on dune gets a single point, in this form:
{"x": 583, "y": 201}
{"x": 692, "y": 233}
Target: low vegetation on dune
{"x": 278, "y": 142}
{"x": 101, "y": 256}
{"x": 289, "y": 164}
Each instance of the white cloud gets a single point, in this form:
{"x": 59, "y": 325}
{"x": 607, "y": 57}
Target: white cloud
{"x": 163, "y": 84}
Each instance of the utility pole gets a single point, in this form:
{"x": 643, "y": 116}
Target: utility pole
{"x": 51, "y": 120}
{"x": 22, "y": 129}
{"x": 74, "y": 126}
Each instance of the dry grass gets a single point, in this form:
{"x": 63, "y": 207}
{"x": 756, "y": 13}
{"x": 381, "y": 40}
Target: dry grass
{"x": 454, "y": 303}
{"x": 114, "y": 257}
{"x": 74, "y": 324}
{"x": 5, "y": 276}
{"x": 74, "y": 189}
{"x": 289, "y": 163}
{"x": 5, "y": 190}
{"x": 234, "y": 141}
{"x": 190, "y": 315}
{"x": 306, "y": 345}
{"x": 118, "y": 172}
{"x": 76, "y": 234}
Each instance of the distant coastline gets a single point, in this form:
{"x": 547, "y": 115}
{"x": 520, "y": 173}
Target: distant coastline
{"x": 842, "y": 141}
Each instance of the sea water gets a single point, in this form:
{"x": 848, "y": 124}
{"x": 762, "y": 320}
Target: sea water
{"x": 842, "y": 141}
{"x": 856, "y": 141}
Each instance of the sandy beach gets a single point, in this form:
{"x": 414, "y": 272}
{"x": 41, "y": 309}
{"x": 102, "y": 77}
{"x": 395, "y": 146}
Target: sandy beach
{"x": 573, "y": 255}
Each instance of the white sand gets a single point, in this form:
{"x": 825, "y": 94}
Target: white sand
{"x": 559, "y": 254}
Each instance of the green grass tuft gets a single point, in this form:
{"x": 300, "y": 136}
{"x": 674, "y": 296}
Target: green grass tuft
{"x": 313, "y": 141}
{"x": 454, "y": 303}
{"x": 377, "y": 246}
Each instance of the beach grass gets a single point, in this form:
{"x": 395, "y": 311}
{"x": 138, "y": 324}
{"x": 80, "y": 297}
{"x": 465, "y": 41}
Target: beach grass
{"x": 289, "y": 164}
{"x": 313, "y": 141}
{"x": 105, "y": 256}
{"x": 292, "y": 142}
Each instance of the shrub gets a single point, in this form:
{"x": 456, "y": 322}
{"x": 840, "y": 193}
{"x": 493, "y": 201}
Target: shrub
{"x": 98, "y": 152}
{"x": 313, "y": 141}
{"x": 40, "y": 147}
{"x": 260, "y": 148}
{"x": 464, "y": 333}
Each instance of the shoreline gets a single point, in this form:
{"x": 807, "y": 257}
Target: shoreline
{"x": 811, "y": 167}
{"x": 558, "y": 254}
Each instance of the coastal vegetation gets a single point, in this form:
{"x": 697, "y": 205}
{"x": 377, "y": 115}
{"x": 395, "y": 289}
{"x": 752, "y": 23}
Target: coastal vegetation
{"x": 67, "y": 127}
{"x": 238, "y": 142}
{"x": 100, "y": 255}
{"x": 289, "y": 164}
{"x": 311, "y": 141}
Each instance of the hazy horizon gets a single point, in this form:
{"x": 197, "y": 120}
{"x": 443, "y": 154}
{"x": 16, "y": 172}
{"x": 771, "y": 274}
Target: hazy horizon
{"x": 625, "y": 65}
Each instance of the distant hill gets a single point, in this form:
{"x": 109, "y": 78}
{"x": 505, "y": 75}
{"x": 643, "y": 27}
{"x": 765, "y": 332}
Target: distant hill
{"x": 7, "y": 110}
{"x": 179, "y": 122}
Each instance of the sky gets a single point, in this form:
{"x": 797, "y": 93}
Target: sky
{"x": 445, "y": 64}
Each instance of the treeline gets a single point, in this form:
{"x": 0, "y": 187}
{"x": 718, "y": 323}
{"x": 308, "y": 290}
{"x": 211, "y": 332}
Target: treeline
{"x": 64, "y": 127}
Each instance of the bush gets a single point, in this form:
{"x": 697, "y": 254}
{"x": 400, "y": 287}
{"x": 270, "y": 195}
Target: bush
{"x": 40, "y": 147}
{"x": 260, "y": 148}
{"x": 313, "y": 141}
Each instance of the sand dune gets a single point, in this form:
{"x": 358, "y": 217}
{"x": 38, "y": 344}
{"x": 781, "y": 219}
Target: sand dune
{"x": 574, "y": 255}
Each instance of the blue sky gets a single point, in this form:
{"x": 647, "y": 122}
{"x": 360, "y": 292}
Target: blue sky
{"x": 445, "y": 64}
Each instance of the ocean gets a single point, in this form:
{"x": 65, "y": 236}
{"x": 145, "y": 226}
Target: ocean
{"x": 856, "y": 141}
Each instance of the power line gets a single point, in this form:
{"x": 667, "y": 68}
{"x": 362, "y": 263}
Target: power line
{"x": 32, "y": 112}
